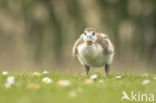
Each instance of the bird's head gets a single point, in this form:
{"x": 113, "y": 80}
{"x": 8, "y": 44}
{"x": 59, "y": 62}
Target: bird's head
{"x": 89, "y": 36}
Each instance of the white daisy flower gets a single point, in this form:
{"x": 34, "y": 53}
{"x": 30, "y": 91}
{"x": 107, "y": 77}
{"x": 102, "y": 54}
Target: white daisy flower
{"x": 45, "y": 72}
{"x": 154, "y": 77}
{"x": 47, "y": 80}
{"x": 94, "y": 77}
{"x": 7, "y": 85}
{"x": 10, "y": 81}
{"x": 144, "y": 82}
{"x": 4, "y": 73}
{"x": 64, "y": 83}
{"x": 118, "y": 77}
{"x": 100, "y": 81}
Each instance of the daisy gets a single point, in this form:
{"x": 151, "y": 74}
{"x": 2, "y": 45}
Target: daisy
{"x": 144, "y": 82}
{"x": 4, "y": 73}
{"x": 10, "y": 81}
{"x": 45, "y": 72}
{"x": 47, "y": 80}
{"x": 7, "y": 85}
{"x": 118, "y": 77}
{"x": 100, "y": 81}
{"x": 64, "y": 83}
{"x": 94, "y": 77}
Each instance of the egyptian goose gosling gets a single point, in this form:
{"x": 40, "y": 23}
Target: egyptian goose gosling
{"x": 94, "y": 50}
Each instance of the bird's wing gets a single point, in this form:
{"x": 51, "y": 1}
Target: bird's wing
{"x": 76, "y": 44}
{"x": 105, "y": 42}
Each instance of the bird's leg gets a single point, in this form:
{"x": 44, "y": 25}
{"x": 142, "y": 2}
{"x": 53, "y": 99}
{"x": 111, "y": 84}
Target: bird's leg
{"x": 87, "y": 69}
{"x": 107, "y": 70}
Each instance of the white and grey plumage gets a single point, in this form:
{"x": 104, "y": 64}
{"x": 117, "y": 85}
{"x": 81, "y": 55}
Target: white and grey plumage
{"x": 94, "y": 50}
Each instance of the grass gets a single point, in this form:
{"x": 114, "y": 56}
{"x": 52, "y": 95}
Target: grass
{"x": 110, "y": 91}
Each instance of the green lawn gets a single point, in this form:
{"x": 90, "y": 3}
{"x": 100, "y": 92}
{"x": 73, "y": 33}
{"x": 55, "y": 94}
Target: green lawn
{"x": 110, "y": 91}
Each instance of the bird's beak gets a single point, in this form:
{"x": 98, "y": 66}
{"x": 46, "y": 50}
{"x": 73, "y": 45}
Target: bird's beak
{"x": 90, "y": 42}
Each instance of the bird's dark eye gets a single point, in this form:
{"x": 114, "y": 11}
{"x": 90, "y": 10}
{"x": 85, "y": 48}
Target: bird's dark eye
{"x": 94, "y": 33}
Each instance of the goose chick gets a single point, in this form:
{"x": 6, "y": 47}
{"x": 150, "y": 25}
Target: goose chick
{"x": 94, "y": 50}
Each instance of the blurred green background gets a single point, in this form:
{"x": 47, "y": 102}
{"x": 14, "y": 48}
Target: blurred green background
{"x": 39, "y": 34}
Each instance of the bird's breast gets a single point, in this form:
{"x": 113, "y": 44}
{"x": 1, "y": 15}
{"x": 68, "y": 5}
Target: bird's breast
{"x": 88, "y": 52}
{"x": 91, "y": 55}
